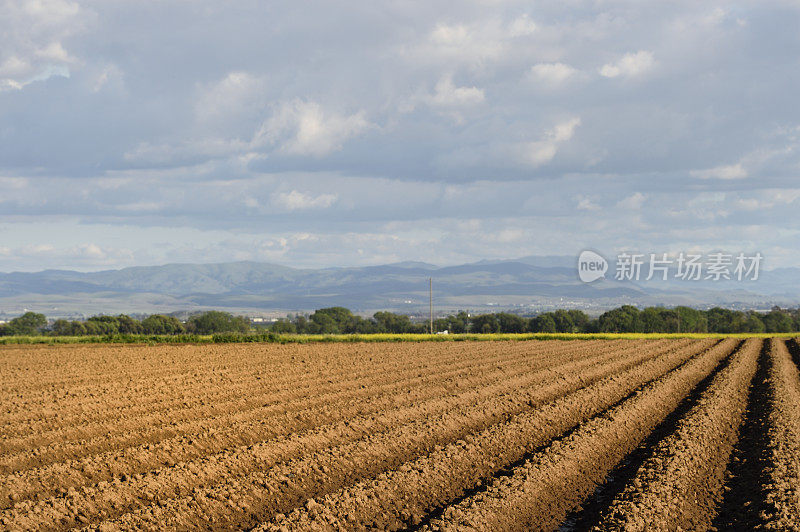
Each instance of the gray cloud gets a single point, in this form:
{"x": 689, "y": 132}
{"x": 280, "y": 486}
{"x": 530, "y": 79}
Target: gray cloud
{"x": 318, "y": 134}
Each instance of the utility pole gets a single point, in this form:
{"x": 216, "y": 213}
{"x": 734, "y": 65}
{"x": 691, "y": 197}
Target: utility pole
{"x": 430, "y": 288}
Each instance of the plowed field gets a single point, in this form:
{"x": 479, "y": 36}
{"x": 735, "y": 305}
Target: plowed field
{"x": 668, "y": 434}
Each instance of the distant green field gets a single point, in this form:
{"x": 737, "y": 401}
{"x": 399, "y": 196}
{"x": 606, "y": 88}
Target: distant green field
{"x": 322, "y": 338}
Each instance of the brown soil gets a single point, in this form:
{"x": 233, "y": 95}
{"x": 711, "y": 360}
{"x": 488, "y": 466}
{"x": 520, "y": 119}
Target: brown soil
{"x": 440, "y": 436}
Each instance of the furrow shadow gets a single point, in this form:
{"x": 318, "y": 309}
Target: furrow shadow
{"x": 509, "y": 469}
{"x": 746, "y": 476}
{"x": 794, "y": 350}
{"x": 592, "y": 508}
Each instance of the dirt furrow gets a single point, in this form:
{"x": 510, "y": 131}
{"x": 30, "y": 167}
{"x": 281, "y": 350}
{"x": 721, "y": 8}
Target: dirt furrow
{"x": 681, "y": 484}
{"x": 32, "y": 370}
{"x": 409, "y": 493}
{"x": 538, "y": 493}
{"x": 87, "y": 438}
{"x": 70, "y": 407}
{"x": 44, "y": 370}
{"x": 782, "y": 477}
{"x": 110, "y": 466}
{"x": 92, "y": 438}
{"x": 744, "y": 492}
{"x": 208, "y": 367}
{"x": 277, "y": 485}
{"x": 584, "y": 516}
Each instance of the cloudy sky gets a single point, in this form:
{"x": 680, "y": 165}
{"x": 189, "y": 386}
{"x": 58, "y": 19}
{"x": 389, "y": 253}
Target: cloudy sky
{"x": 345, "y": 133}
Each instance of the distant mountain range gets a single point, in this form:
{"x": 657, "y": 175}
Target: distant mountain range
{"x": 528, "y": 284}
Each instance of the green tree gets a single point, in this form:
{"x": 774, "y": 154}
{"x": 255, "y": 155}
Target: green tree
{"x": 28, "y": 324}
{"x": 778, "y": 321}
{"x": 215, "y": 321}
{"x": 543, "y": 323}
{"x": 128, "y": 325}
{"x": 301, "y": 324}
{"x": 619, "y": 320}
{"x": 332, "y": 320}
{"x": 103, "y": 324}
{"x": 61, "y": 328}
{"x": 485, "y": 323}
{"x": 68, "y": 328}
{"x": 359, "y": 325}
{"x": 580, "y": 320}
{"x": 651, "y": 321}
{"x": 795, "y": 314}
{"x": 511, "y": 323}
{"x": 441, "y": 324}
{"x": 93, "y": 328}
{"x": 323, "y": 323}
{"x": 670, "y": 320}
{"x": 418, "y": 328}
{"x": 389, "y": 322}
{"x": 754, "y": 323}
{"x": 692, "y": 320}
{"x": 283, "y": 326}
{"x": 458, "y": 323}
{"x": 563, "y": 320}
{"x": 720, "y": 320}
{"x": 161, "y": 324}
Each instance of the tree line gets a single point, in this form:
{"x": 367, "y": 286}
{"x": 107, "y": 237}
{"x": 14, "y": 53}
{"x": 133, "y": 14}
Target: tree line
{"x": 339, "y": 320}
{"x": 624, "y": 319}
{"x": 32, "y": 323}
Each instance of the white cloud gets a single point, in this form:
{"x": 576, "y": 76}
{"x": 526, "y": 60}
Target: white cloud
{"x": 732, "y": 171}
{"x": 457, "y": 43}
{"x": 142, "y": 206}
{"x": 586, "y": 204}
{"x": 36, "y": 249}
{"x": 472, "y": 44}
{"x": 447, "y": 94}
{"x": 447, "y": 98}
{"x": 296, "y": 200}
{"x": 706, "y": 206}
{"x": 86, "y": 253}
{"x": 633, "y": 202}
{"x": 786, "y": 196}
{"x": 450, "y": 35}
{"x": 188, "y": 112}
{"x": 12, "y": 183}
{"x": 564, "y": 130}
{"x": 108, "y": 75}
{"x": 540, "y": 152}
{"x": 749, "y": 204}
{"x": 229, "y": 97}
{"x": 92, "y": 251}
{"x": 704, "y": 21}
{"x": 509, "y": 235}
{"x": 552, "y": 73}
{"x": 522, "y": 26}
{"x": 53, "y": 52}
{"x": 537, "y": 153}
{"x": 31, "y": 43}
{"x": 166, "y": 153}
{"x": 766, "y": 200}
{"x": 629, "y": 65}
{"x": 304, "y": 128}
